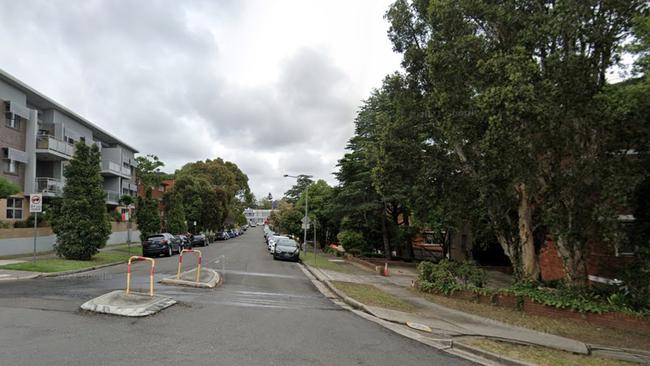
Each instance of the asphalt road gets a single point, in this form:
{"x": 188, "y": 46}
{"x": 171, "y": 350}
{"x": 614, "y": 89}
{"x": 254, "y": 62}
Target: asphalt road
{"x": 266, "y": 313}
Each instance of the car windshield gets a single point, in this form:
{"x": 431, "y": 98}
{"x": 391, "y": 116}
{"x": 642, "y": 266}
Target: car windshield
{"x": 288, "y": 243}
{"x": 155, "y": 237}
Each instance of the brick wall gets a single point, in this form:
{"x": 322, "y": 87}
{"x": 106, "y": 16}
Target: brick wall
{"x": 601, "y": 261}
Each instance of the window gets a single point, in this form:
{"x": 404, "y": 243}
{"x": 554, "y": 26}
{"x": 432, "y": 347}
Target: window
{"x": 13, "y": 121}
{"x": 11, "y": 166}
{"x": 15, "y": 208}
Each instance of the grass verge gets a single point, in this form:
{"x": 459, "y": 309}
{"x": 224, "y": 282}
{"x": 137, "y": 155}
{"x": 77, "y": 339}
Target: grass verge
{"x": 320, "y": 261}
{"x": 575, "y": 329}
{"x": 49, "y": 265}
{"x": 543, "y": 356}
{"x": 371, "y": 295}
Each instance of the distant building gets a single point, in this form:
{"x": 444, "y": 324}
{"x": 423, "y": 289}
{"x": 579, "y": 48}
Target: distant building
{"x": 257, "y": 216}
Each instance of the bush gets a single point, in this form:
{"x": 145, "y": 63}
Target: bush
{"x": 448, "y": 276}
{"x": 42, "y": 222}
{"x": 352, "y": 241}
{"x": 5, "y": 224}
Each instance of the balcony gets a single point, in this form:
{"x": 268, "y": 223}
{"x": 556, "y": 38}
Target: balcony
{"x": 112, "y": 197}
{"x": 50, "y": 148}
{"x": 49, "y": 187}
{"x": 113, "y": 168}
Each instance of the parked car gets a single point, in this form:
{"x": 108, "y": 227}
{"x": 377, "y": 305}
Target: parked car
{"x": 272, "y": 241}
{"x": 286, "y": 249}
{"x": 222, "y": 235}
{"x": 200, "y": 240}
{"x": 185, "y": 241}
{"x": 232, "y": 234}
{"x": 163, "y": 243}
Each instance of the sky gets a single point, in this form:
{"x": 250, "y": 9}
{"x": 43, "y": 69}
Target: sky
{"x": 272, "y": 86}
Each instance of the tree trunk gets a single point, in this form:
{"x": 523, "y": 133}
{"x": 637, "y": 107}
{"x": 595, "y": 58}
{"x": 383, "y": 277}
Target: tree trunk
{"x": 529, "y": 259}
{"x": 384, "y": 233}
{"x": 408, "y": 243}
{"x": 573, "y": 259}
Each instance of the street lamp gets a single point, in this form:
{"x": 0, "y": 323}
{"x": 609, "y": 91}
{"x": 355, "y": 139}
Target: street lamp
{"x": 305, "y": 225}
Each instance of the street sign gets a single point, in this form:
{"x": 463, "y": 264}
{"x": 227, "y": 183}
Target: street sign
{"x": 36, "y": 203}
{"x": 305, "y": 220}
{"x": 305, "y": 226}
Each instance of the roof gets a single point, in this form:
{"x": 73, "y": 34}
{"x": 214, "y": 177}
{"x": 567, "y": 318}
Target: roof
{"x": 43, "y": 102}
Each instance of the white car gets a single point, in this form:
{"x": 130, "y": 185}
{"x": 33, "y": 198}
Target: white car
{"x": 272, "y": 241}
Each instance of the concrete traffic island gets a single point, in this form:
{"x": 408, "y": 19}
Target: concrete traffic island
{"x": 133, "y": 304}
{"x": 199, "y": 277}
{"x": 127, "y": 302}
{"x": 208, "y": 278}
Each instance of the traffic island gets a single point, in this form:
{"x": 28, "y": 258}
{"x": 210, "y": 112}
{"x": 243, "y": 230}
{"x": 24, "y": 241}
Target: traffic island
{"x": 199, "y": 277}
{"x": 208, "y": 278}
{"x": 129, "y": 303}
{"x": 133, "y": 304}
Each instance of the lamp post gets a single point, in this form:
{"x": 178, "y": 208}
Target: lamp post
{"x": 306, "y": 224}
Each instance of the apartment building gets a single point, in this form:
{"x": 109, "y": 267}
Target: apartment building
{"x": 37, "y": 137}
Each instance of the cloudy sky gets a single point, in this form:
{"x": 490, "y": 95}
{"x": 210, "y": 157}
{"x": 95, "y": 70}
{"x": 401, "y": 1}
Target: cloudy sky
{"x": 270, "y": 85}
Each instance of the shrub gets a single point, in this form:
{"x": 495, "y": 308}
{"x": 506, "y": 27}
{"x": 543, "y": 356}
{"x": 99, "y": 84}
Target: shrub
{"x": 448, "y": 276}
{"x": 351, "y": 241}
{"x": 5, "y": 224}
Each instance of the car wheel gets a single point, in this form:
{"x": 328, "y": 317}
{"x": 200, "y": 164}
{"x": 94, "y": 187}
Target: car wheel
{"x": 169, "y": 251}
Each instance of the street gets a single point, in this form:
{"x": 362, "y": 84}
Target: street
{"x": 266, "y": 313}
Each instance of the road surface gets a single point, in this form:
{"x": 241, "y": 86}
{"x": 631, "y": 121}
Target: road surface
{"x": 266, "y": 313}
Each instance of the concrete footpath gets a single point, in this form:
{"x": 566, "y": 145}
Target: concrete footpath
{"x": 451, "y": 324}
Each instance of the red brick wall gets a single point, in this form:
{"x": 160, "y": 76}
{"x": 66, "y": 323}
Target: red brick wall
{"x": 550, "y": 262}
{"x": 602, "y": 261}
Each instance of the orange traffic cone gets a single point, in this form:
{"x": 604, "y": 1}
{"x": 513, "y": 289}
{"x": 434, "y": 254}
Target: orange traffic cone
{"x": 386, "y": 273}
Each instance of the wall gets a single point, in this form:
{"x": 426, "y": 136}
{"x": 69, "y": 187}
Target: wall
{"x": 21, "y": 241}
{"x": 601, "y": 261}
{"x": 72, "y": 128}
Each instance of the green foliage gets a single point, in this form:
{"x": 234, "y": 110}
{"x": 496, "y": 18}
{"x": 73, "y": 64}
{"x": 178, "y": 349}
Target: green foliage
{"x": 146, "y": 214}
{"x": 29, "y": 222}
{"x": 214, "y": 193}
{"x": 80, "y": 220}
{"x": 295, "y": 192}
{"x": 176, "y": 222}
{"x": 8, "y": 188}
{"x": 286, "y": 219}
{"x": 448, "y": 276}
{"x": 351, "y": 241}
{"x": 148, "y": 170}
{"x": 126, "y": 200}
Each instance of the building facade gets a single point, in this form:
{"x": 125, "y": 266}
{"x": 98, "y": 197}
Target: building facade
{"x": 257, "y": 216}
{"x": 37, "y": 138}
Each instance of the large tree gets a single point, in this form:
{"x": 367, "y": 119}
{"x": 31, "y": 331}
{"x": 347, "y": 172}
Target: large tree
{"x": 513, "y": 87}
{"x": 80, "y": 221}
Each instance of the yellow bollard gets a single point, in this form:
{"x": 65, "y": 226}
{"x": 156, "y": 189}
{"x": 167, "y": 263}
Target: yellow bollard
{"x": 151, "y": 273}
{"x": 180, "y": 263}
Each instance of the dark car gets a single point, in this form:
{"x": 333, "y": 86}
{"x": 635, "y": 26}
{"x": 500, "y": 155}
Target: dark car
{"x": 222, "y": 235}
{"x": 200, "y": 240}
{"x": 287, "y": 249}
{"x": 163, "y": 243}
{"x": 185, "y": 241}
{"x": 232, "y": 234}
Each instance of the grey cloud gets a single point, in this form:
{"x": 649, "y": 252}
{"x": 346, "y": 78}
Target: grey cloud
{"x": 143, "y": 71}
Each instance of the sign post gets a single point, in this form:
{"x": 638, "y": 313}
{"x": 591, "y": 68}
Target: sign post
{"x": 35, "y": 206}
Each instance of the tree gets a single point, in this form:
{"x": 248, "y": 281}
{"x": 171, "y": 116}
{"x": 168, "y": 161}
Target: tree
{"x": 176, "y": 221}
{"x": 146, "y": 214}
{"x": 80, "y": 222}
{"x": 293, "y": 194}
{"x": 520, "y": 110}
{"x": 7, "y": 188}
{"x": 148, "y": 170}
{"x": 320, "y": 199}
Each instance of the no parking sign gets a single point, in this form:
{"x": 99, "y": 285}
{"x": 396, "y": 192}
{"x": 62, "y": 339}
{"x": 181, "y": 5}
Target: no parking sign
{"x": 36, "y": 203}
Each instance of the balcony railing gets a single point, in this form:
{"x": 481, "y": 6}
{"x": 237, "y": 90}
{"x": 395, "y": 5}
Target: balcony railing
{"x": 112, "y": 196}
{"x": 47, "y": 142}
{"x": 48, "y": 186}
{"x": 112, "y": 167}
{"x": 126, "y": 171}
